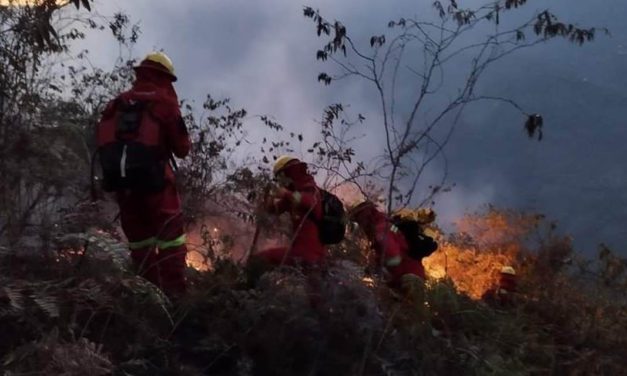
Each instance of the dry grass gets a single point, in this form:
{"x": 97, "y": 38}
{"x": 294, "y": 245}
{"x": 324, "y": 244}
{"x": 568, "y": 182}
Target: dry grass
{"x": 563, "y": 323}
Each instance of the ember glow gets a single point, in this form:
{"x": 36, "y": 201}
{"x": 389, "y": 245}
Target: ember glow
{"x": 197, "y": 261}
{"x": 216, "y": 238}
{"x": 200, "y": 243}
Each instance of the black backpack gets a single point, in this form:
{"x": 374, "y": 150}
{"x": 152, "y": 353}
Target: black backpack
{"x": 129, "y": 149}
{"x": 420, "y": 245}
{"x": 332, "y": 226}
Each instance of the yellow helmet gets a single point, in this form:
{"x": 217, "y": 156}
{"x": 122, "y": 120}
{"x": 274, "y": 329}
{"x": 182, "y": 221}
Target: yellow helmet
{"x": 405, "y": 213}
{"x": 158, "y": 61}
{"x": 423, "y": 215}
{"x": 508, "y": 270}
{"x": 281, "y": 163}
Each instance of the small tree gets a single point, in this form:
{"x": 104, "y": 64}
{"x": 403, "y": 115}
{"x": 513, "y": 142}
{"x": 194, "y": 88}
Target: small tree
{"x": 406, "y": 68}
{"x": 31, "y": 104}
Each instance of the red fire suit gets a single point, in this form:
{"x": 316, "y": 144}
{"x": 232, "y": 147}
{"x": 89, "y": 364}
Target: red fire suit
{"x": 391, "y": 249}
{"x": 504, "y": 293}
{"x": 302, "y": 200}
{"x": 153, "y": 223}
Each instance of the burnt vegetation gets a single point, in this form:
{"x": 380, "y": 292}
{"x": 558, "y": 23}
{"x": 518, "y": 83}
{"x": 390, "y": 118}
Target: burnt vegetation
{"x": 70, "y": 304}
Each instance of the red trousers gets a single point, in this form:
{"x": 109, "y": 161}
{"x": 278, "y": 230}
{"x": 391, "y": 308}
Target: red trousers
{"x": 407, "y": 266}
{"x": 153, "y": 225}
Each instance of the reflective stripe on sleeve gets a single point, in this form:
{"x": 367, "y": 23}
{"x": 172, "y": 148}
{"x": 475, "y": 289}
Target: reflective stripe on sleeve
{"x": 393, "y": 261}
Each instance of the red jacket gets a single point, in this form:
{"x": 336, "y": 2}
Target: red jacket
{"x": 158, "y": 90}
{"x": 302, "y": 200}
{"x": 391, "y": 248}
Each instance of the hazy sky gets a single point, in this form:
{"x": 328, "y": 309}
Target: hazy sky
{"x": 262, "y": 55}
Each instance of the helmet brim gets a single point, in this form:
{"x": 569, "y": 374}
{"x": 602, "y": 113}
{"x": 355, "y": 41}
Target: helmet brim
{"x": 156, "y": 67}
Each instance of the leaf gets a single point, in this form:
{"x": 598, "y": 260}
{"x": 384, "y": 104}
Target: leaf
{"x": 534, "y": 125}
{"x": 15, "y": 297}
{"x": 321, "y": 55}
{"x": 308, "y": 12}
{"x": 48, "y": 304}
{"x": 325, "y": 78}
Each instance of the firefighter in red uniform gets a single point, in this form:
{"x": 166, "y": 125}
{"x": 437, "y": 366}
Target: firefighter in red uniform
{"x": 152, "y": 221}
{"x": 298, "y": 195}
{"x": 504, "y": 293}
{"x": 391, "y": 248}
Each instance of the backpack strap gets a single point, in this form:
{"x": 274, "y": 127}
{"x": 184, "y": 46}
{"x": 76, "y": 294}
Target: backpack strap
{"x": 311, "y": 214}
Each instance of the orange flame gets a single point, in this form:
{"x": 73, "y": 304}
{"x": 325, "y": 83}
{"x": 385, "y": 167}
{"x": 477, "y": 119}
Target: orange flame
{"x": 208, "y": 241}
{"x": 494, "y": 239}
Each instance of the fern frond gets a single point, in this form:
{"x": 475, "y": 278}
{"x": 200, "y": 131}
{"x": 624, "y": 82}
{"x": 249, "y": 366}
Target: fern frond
{"x": 150, "y": 293}
{"x": 46, "y": 303}
{"x": 101, "y": 245}
{"x": 16, "y": 298}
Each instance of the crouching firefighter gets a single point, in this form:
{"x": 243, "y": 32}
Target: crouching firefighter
{"x": 504, "y": 293}
{"x": 399, "y": 244}
{"x": 316, "y": 215}
{"x": 137, "y": 135}
{"x": 317, "y": 219}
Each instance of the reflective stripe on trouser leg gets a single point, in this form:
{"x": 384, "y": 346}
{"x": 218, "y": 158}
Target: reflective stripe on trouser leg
{"x": 143, "y": 254}
{"x": 165, "y": 244}
{"x": 171, "y": 265}
{"x": 143, "y": 243}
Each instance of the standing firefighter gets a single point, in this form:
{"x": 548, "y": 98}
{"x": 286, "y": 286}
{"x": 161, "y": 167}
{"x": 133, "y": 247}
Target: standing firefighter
{"x": 137, "y": 135}
{"x": 397, "y": 251}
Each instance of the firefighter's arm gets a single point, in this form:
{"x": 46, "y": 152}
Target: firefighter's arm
{"x": 276, "y": 202}
{"x": 109, "y": 110}
{"x": 387, "y": 245}
{"x": 300, "y": 200}
{"x": 176, "y": 131}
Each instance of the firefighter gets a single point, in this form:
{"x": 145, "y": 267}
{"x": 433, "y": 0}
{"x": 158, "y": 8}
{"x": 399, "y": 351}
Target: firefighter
{"x": 503, "y": 293}
{"x": 298, "y": 195}
{"x": 141, "y": 175}
{"x": 390, "y": 246}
